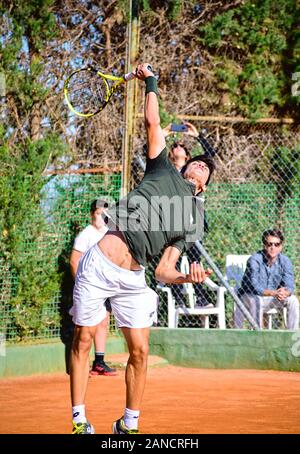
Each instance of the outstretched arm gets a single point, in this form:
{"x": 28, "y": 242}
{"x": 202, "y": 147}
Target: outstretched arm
{"x": 208, "y": 149}
{"x": 155, "y": 136}
{"x": 166, "y": 269}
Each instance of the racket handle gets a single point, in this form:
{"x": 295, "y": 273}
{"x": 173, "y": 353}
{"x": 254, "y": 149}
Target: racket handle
{"x": 130, "y": 76}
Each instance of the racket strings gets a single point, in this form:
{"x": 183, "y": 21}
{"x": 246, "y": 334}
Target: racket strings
{"x": 87, "y": 92}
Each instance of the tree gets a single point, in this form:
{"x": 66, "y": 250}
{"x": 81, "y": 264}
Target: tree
{"x": 26, "y": 150}
{"x": 255, "y": 49}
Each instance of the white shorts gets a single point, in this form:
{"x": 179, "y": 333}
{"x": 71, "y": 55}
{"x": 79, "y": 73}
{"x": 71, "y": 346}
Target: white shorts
{"x": 133, "y": 303}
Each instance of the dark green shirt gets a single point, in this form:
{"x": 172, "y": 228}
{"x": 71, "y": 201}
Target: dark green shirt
{"x": 162, "y": 211}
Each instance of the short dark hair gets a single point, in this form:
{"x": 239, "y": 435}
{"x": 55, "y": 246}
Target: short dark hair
{"x": 272, "y": 232}
{"x": 98, "y": 203}
{"x": 203, "y": 158}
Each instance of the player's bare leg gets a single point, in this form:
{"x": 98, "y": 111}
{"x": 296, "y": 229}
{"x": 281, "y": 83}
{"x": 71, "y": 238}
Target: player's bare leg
{"x": 138, "y": 346}
{"x": 136, "y": 371}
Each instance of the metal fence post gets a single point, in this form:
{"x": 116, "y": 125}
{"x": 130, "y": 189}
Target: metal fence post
{"x": 131, "y": 96}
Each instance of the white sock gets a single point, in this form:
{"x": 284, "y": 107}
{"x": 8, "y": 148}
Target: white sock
{"x": 131, "y": 418}
{"x": 78, "y": 413}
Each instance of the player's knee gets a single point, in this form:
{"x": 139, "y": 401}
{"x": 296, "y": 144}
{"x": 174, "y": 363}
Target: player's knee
{"x": 139, "y": 353}
{"x": 82, "y": 341}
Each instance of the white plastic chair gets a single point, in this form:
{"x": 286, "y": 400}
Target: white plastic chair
{"x": 235, "y": 268}
{"x": 174, "y": 313}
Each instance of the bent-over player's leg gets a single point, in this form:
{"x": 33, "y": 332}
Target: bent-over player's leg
{"x": 138, "y": 346}
{"x": 134, "y": 311}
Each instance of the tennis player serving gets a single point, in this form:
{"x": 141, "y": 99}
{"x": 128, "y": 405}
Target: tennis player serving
{"x": 159, "y": 216}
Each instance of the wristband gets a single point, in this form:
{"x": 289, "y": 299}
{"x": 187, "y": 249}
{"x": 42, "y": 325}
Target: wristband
{"x": 151, "y": 84}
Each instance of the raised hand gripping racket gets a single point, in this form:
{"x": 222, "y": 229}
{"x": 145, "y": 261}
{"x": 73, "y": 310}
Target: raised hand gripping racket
{"x": 87, "y": 90}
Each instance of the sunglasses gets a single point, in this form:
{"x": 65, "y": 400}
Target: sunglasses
{"x": 177, "y": 144}
{"x": 272, "y": 244}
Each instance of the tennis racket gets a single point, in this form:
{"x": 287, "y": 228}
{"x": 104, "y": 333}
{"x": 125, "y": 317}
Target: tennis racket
{"x": 87, "y": 90}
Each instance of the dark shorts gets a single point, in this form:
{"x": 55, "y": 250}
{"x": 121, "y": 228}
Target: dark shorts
{"x": 107, "y": 305}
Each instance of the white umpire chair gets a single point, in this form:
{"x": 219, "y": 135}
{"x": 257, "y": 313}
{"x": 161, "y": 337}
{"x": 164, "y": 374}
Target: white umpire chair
{"x": 174, "y": 313}
{"x": 235, "y": 268}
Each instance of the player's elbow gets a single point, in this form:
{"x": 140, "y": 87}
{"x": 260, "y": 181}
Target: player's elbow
{"x": 159, "y": 274}
{"x": 73, "y": 271}
{"x": 152, "y": 121}
{"x": 73, "y": 266}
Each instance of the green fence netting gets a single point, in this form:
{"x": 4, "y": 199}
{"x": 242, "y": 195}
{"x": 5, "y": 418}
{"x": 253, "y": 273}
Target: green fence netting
{"x": 237, "y": 213}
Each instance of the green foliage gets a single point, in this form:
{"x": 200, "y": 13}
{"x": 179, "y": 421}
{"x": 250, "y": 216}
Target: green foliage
{"x": 23, "y": 228}
{"x": 245, "y": 209}
{"x": 165, "y": 117}
{"x": 173, "y": 7}
{"x": 31, "y": 19}
{"x": 31, "y": 25}
{"x": 285, "y": 166}
{"x": 282, "y": 166}
{"x": 23, "y": 233}
{"x": 254, "y": 40}
{"x": 284, "y": 169}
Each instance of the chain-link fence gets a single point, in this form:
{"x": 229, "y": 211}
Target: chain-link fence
{"x": 65, "y": 208}
{"x": 256, "y": 187}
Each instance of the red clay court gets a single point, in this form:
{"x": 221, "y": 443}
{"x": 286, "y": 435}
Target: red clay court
{"x": 177, "y": 400}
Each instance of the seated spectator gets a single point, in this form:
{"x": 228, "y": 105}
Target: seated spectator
{"x": 268, "y": 283}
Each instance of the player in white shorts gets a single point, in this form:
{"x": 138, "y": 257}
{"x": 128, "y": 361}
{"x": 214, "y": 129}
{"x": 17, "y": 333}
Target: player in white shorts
{"x": 142, "y": 226}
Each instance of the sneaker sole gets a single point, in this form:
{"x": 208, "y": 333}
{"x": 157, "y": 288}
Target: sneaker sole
{"x": 91, "y": 433}
{"x": 94, "y": 372}
{"x": 114, "y": 429}
{"x": 112, "y": 374}
{"x": 103, "y": 373}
